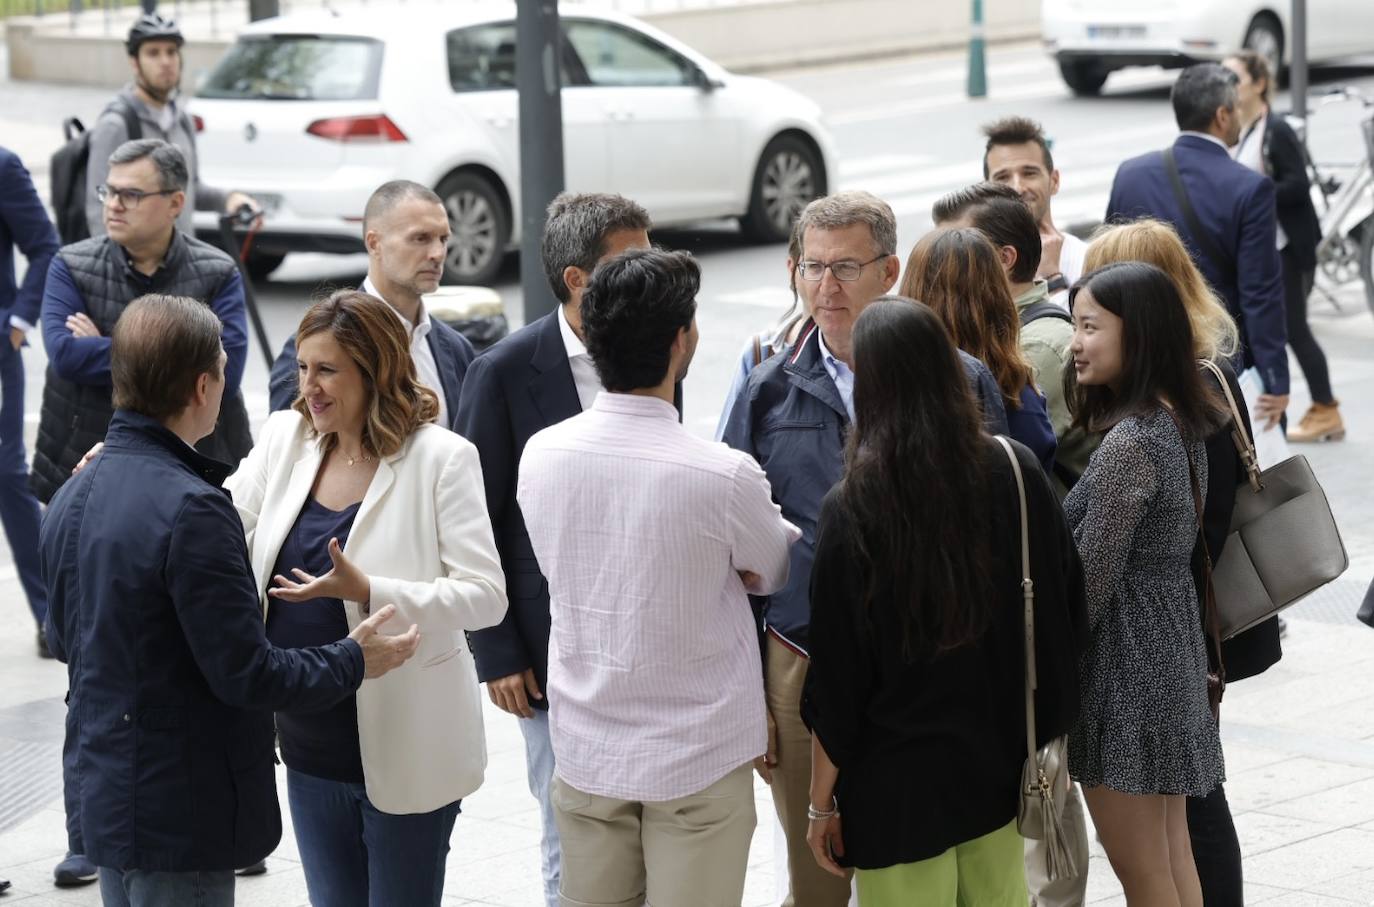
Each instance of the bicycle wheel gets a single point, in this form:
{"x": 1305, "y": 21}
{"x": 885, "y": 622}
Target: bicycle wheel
{"x": 1367, "y": 260}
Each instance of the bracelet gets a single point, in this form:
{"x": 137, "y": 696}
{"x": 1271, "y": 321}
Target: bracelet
{"x": 819, "y": 815}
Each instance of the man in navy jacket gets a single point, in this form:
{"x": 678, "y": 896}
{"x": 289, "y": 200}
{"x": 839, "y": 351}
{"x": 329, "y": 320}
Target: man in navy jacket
{"x": 23, "y": 223}
{"x": 406, "y": 231}
{"x": 537, "y": 377}
{"x": 1236, "y": 214}
{"x": 154, "y": 608}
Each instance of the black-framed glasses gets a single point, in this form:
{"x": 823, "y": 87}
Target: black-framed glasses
{"x": 129, "y": 198}
{"x": 843, "y": 270}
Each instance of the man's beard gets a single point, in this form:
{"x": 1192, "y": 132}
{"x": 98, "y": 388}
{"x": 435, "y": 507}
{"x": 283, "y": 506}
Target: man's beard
{"x": 158, "y": 95}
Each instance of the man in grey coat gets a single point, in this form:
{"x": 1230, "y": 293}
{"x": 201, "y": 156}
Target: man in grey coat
{"x": 153, "y": 102}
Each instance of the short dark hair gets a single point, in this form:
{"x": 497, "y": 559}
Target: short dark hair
{"x": 1199, "y": 91}
{"x": 1001, "y": 215}
{"x": 1158, "y": 361}
{"x": 632, "y": 310}
{"x": 1016, "y": 131}
{"x": 159, "y": 348}
{"x": 167, "y": 159}
{"x": 576, "y": 230}
{"x": 390, "y": 194}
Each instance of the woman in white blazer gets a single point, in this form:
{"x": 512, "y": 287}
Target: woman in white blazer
{"x": 353, "y": 499}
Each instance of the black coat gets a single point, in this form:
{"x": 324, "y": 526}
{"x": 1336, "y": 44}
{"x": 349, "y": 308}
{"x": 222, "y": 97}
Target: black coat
{"x": 154, "y": 609}
{"x": 516, "y": 388}
{"x": 1258, "y": 648}
{"x": 930, "y": 750}
{"x": 452, "y": 353}
{"x": 1287, "y": 166}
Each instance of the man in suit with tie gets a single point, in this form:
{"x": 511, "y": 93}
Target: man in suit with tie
{"x": 1225, "y": 213}
{"x": 537, "y": 377}
{"x": 406, "y": 232}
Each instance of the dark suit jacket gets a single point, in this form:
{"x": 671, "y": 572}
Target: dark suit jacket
{"x": 25, "y": 224}
{"x": 518, "y": 387}
{"x": 453, "y": 353}
{"x": 1235, "y": 205}
{"x": 1287, "y": 164}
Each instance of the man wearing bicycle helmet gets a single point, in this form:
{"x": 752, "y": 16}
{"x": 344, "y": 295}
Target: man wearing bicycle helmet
{"x": 154, "y": 99}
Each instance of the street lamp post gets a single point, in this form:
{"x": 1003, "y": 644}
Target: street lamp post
{"x": 1297, "y": 71}
{"x": 977, "y": 58}
{"x": 537, "y": 79}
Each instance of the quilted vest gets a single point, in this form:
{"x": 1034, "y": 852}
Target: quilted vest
{"x": 74, "y": 416}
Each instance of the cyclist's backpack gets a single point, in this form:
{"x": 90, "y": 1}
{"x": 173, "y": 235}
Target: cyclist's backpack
{"x": 67, "y": 171}
{"x": 1043, "y": 309}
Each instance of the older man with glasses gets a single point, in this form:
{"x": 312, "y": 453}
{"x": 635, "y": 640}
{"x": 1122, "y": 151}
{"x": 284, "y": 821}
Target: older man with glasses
{"x": 89, "y": 285}
{"x": 793, "y": 416}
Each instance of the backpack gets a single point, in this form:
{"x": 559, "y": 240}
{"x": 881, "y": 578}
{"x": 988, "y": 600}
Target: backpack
{"x": 1043, "y": 309}
{"x": 67, "y": 171}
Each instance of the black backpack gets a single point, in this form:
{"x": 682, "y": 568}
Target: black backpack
{"x": 67, "y": 171}
{"x": 1043, "y": 309}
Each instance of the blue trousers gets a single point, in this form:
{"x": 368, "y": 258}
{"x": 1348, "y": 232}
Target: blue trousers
{"x": 18, "y": 507}
{"x": 137, "y": 888}
{"x": 354, "y": 855}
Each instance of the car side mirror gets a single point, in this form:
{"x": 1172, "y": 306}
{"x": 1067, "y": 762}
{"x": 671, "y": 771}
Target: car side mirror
{"x": 705, "y": 82}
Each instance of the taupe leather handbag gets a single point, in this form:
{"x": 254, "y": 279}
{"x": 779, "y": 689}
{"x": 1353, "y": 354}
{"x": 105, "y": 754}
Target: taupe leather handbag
{"x": 1283, "y": 543}
{"x": 1045, "y": 777}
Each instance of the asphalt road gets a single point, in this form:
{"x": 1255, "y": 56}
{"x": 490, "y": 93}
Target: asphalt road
{"x": 904, "y": 131}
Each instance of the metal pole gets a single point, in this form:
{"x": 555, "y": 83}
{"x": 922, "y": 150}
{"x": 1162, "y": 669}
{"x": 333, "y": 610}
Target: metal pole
{"x": 977, "y": 61}
{"x": 149, "y": 6}
{"x": 537, "y": 78}
{"x": 263, "y": 9}
{"x": 1297, "y": 72}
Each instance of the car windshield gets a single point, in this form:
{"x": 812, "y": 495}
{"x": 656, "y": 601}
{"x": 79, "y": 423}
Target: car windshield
{"x": 297, "y": 68}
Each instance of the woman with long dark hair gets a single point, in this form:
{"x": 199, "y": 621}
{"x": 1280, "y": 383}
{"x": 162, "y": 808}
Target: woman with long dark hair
{"x": 957, "y": 272}
{"x": 1146, "y": 737}
{"x": 915, "y": 692}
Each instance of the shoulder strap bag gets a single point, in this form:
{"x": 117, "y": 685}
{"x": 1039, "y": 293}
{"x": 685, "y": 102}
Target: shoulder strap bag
{"x": 1205, "y": 243}
{"x": 1045, "y": 777}
{"x": 1283, "y": 544}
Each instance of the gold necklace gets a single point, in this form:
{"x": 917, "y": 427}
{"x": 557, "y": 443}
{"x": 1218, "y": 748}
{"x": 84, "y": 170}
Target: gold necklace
{"x": 353, "y": 460}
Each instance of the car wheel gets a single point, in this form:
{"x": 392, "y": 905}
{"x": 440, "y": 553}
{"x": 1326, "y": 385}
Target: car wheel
{"x": 261, "y": 264}
{"x": 481, "y": 228}
{"x": 1085, "y": 78}
{"x": 789, "y": 175}
{"x": 1265, "y": 37}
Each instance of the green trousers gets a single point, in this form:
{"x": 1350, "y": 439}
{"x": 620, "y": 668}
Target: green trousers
{"x": 986, "y": 872}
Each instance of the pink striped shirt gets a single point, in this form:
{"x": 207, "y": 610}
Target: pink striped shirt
{"x": 655, "y": 685}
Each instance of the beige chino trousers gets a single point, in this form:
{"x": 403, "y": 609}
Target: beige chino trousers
{"x": 688, "y": 852}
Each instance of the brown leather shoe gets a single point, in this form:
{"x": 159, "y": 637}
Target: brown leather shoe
{"x": 1322, "y": 422}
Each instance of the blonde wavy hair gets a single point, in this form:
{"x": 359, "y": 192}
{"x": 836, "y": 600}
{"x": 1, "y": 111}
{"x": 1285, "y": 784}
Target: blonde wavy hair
{"x": 374, "y": 338}
{"x": 1215, "y": 335}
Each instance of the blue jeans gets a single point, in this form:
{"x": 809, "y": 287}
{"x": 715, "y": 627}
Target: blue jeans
{"x": 539, "y": 765}
{"x": 138, "y": 888}
{"x": 354, "y": 855}
{"x": 18, "y": 507}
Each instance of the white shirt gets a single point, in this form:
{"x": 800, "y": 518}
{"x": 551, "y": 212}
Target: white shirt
{"x": 1250, "y": 152}
{"x": 1071, "y": 255}
{"x": 426, "y": 368}
{"x": 839, "y": 373}
{"x": 583, "y": 371}
{"x": 655, "y": 683}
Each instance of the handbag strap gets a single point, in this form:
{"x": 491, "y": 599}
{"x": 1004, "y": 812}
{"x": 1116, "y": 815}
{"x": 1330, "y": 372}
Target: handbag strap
{"x": 1027, "y": 596}
{"x": 1211, "y": 619}
{"x": 1201, "y": 237}
{"x": 1245, "y": 446}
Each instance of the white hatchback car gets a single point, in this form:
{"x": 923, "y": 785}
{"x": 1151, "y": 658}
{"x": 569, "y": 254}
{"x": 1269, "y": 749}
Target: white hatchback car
{"x": 309, "y": 113}
{"x": 1092, "y": 38}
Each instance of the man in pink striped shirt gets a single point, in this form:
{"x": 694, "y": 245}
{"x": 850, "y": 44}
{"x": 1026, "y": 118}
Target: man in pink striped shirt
{"x": 650, "y": 539}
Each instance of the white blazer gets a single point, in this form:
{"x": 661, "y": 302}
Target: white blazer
{"x": 423, "y": 537}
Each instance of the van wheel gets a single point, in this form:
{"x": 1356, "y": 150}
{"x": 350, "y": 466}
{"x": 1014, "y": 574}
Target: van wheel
{"x": 1085, "y": 78}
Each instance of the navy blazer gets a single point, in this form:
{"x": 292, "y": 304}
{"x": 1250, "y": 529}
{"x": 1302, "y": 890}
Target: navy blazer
{"x": 25, "y": 224}
{"x": 1236, "y": 206}
{"x": 520, "y": 386}
{"x": 154, "y": 608}
{"x": 453, "y": 353}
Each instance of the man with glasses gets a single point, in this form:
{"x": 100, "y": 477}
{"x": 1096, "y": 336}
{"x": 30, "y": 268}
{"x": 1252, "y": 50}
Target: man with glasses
{"x": 792, "y": 416}
{"x": 89, "y": 285}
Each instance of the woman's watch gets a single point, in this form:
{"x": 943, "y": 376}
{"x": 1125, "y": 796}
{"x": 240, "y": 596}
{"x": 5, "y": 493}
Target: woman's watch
{"x": 1057, "y": 282}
